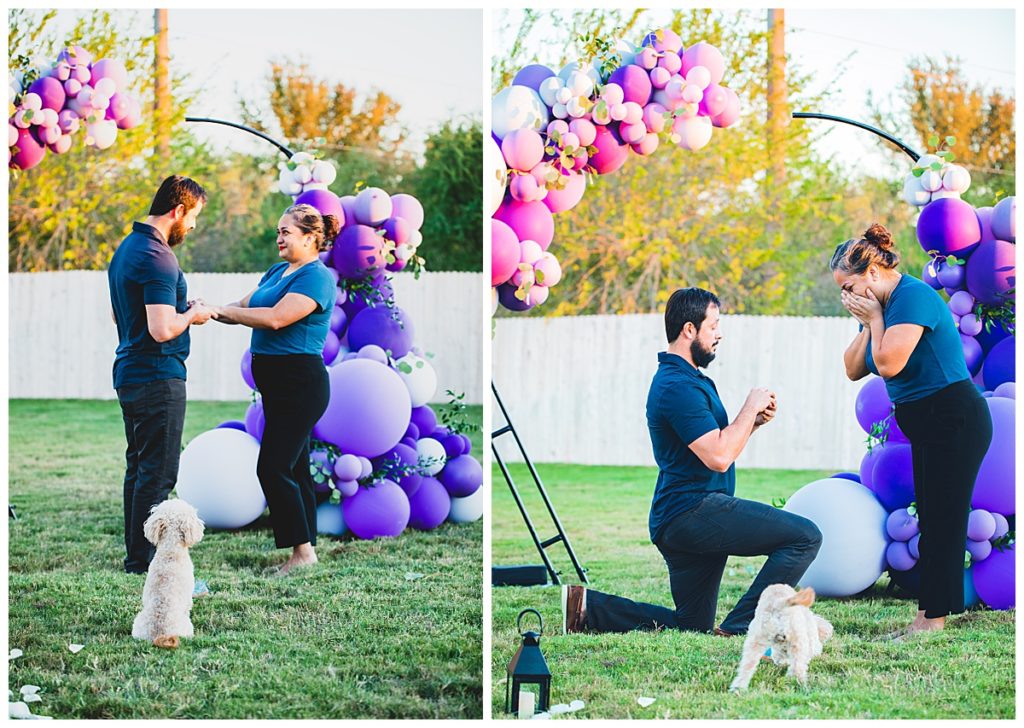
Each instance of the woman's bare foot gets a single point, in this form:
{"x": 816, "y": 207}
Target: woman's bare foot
{"x": 922, "y": 623}
{"x": 302, "y": 555}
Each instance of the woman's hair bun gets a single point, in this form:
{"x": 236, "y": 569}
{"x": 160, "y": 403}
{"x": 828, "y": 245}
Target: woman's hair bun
{"x": 331, "y": 227}
{"x": 878, "y": 235}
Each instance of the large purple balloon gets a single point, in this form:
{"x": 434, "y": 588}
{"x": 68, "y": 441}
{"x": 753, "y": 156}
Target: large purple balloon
{"x": 991, "y": 335}
{"x": 331, "y": 347}
{"x": 381, "y": 510}
{"x": 949, "y": 226}
{"x": 389, "y": 328}
{"x": 425, "y": 420}
{"x": 611, "y": 152}
{"x": 532, "y": 76}
{"x": 991, "y": 272}
{"x": 429, "y": 505}
{"x": 892, "y": 478}
{"x": 1004, "y": 223}
{"x": 999, "y": 365}
{"x": 51, "y": 91}
{"x": 323, "y": 200}
{"x": 972, "y": 354}
{"x": 247, "y": 370}
{"x": 873, "y": 404}
{"x": 867, "y": 464}
{"x": 635, "y": 83}
{"x": 462, "y": 476}
{"x": 993, "y": 488}
{"x": 369, "y": 408}
{"x": 358, "y": 252}
{"x": 255, "y": 420}
{"x": 995, "y": 578}
{"x": 528, "y": 220}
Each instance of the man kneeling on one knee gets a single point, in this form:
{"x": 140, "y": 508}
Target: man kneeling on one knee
{"x": 695, "y": 520}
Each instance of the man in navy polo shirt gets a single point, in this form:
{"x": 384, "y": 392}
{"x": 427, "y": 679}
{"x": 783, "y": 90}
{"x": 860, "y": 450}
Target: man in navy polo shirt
{"x": 148, "y": 304}
{"x": 695, "y": 520}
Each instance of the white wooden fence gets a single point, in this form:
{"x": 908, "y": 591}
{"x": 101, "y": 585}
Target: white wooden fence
{"x": 576, "y": 387}
{"x": 62, "y": 339}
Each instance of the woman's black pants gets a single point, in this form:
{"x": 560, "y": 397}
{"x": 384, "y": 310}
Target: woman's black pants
{"x": 295, "y": 390}
{"x": 949, "y": 432}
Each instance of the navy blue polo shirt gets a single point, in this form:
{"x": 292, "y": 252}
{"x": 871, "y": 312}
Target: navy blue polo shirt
{"x": 307, "y": 335}
{"x": 938, "y": 359}
{"x": 145, "y": 271}
{"x": 682, "y": 405}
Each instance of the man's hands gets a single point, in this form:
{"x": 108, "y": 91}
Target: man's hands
{"x": 200, "y": 311}
{"x": 762, "y": 401}
{"x": 863, "y": 308}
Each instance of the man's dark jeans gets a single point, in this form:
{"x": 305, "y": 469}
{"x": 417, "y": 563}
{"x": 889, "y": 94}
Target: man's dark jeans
{"x": 695, "y": 545}
{"x": 154, "y": 415}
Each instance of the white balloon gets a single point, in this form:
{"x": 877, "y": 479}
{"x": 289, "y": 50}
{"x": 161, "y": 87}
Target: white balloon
{"x": 313, "y": 186}
{"x": 324, "y": 172}
{"x": 421, "y": 381}
{"x": 415, "y": 239}
{"x": 955, "y": 178}
{"x": 931, "y": 180}
{"x": 517, "y": 107}
{"x": 494, "y": 301}
{"x": 330, "y": 519}
{"x": 303, "y": 158}
{"x": 589, "y": 71}
{"x": 467, "y": 509}
{"x": 853, "y": 537}
{"x": 575, "y": 108}
{"x": 914, "y": 193}
{"x": 563, "y": 95}
{"x": 560, "y": 111}
{"x": 102, "y": 134}
{"x": 403, "y": 252}
{"x": 945, "y": 194}
{"x": 302, "y": 174}
{"x": 580, "y": 84}
{"x": 429, "y": 449}
{"x": 693, "y": 133}
{"x": 217, "y": 475}
{"x": 549, "y": 89}
{"x": 497, "y": 174}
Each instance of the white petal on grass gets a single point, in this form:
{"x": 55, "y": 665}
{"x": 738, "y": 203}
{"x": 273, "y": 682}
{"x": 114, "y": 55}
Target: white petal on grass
{"x": 30, "y": 689}
{"x": 576, "y": 705}
{"x": 75, "y": 649}
{"x": 644, "y": 702}
{"x": 18, "y": 710}
{"x": 15, "y": 654}
{"x": 559, "y": 709}
{"x": 31, "y": 698}
{"x": 541, "y": 716}
{"x": 413, "y": 576}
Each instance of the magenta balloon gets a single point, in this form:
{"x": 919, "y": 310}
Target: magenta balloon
{"x": 51, "y": 91}
{"x": 528, "y": 220}
{"x": 992, "y": 272}
{"x": 30, "y": 151}
{"x": 369, "y": 409}
{"x": 950, "y": 226}
{"x": 504, "y": 252}
{"x": 995, "y": 578}
{"x": 408, "y": 208}
{"x": 429, "y": 505}
{"x": 873, "y": 404}
{"x": 381, "y": 510}
{"x": 255, "y": 420}
{"x": 715, "y": 100}
{"x": 731, "y": 113}
{"x": 897, "y": 555}
{"x": 397, "y": 230}
{"x": 993, "y": 488}
{"x": 462, "y": 476}
{"x": 635, "y": 83}
{"x": 1004, "y": 224}
{"x": 703, "y": 54}
{"x": 389, "y": 328}
{"x": 981, "y": 525}
{"x": 973, "y": 355}
{"x": 323, "y": 200}
{"x": 567, "y": 197}
{"x": 331, "y": 347}
{"x": 892, "y": 478}
{"x": 358, "y": 252}
{"x": 611, "y": 151}
{"x": 247, "y": 369}
{"x": 532, "y": 76}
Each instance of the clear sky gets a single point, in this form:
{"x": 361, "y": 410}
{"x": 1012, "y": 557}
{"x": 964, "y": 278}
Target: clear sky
{"x": 881, "y": 43}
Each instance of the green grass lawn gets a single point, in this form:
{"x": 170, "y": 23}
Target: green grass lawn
{"x": 965, "y": 672}
{"x": 353, "y": 637}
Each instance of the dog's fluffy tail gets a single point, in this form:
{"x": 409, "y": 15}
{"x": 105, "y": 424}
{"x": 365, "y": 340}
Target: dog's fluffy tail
{"x": 169, "y": 642}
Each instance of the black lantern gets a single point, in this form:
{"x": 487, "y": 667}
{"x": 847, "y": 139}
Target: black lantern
{"x": 528, "y": 667}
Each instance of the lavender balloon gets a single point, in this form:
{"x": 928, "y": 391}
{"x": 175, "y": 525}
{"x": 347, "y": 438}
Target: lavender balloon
{"x": 429, "y": 505}
{"x": 380, "y": 511}
{"x": 981, "y": 525}
{"x": 979, "y": 550}
{"x": 425, "y": 421}
{"x": 255, "y": 421}
{"x": 247, "y": 370}
{"x": 901, "y": 526}
{"x": 1002, "y": 526}
{"x": 532, "y": 76}
{"x": 994, "y": 486}
{"x": 408, "y": 208}
{"x": 373, "y": 206}
{"x": 331, "y": 347}
{"x": 1006, "y": 389}
{"x": 897, "y": 555}
{"x": 347, "y": 467}
{"x": 951, "y": 276}
{"x": 1004, "y": 224}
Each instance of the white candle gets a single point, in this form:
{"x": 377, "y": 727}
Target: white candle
{"x": 526, "y": 704}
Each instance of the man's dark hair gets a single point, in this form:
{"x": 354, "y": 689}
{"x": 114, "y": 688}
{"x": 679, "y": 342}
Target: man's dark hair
{"x": 177, "y": 190}
{"x": 687, "y": 305}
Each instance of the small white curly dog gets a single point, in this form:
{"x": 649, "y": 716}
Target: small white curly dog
{"x": 172, "y": 527}
{"x": 784, "y": 622}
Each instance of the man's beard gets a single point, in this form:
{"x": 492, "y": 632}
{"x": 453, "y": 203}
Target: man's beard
{"x": 701, "y": 356}
{"x": 178, "y": 233}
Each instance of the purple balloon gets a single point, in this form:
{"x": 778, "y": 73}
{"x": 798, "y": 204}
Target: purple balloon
{"x": 462, "y": 476}
{"x": 991, "y": 272}
{"x": 913, "y": 545}
{"x": 1006, "y": 389}
{"x": 993, "y": 488}
{"x": 1002, "y": 526}
{"x": 368, "y": 411}
{"x": 51, "y": 91}
{"x": 873, "y": 404}
{"x": 397, "y": 230}
{"x": 411, "y": 483}
{"x": 452, "y": 445}
{"x": 232, "y": 425}
{"x": 331, "y": 347}
{"x": 973, "y": 354}
{"x": 348, "y": 206}
{"x": 1004, "y": 224}
{"x": 425, "y": 421}
{"x": 378, "y": 325}
{"x": 949, "y": 226}
{"x": 961, "y": 303}
{"x": 413, "y": 431}
{"x": 467, "y": 444}
{"x": 247, "y": 370}
{"x": 378, "y": 295}
{"x": 532, "y": 76}
{"x": 979, "y": 550}
{"x": 429, "y": 505}
{"x": 255, "y": 420}
{"x": 366, "y": 467}
{"x": 901, "y": 526}
{"x": 381, "y": 510}
{"x": 981, "y": 525}
{"x": 929, "y": 273}
{"x": 408, "y": 208}
{"x": 610, "y": 155}
{"x": 323, "y": 200}
{"x": 528, "y": 220}
{"x": 847, "y": 476}
{"x": 995, "y": 578}
{"x": 339, "y": 320}
{"x": 867, "y": 465}
{"x": 992, "y": 335}
{"x": 985, "y": 220}
{"x": 348, "y": 467}
{"x": 999, "y": 365}
{"x": 897, "y": 555}
{"x": 951, "y": 276}
{"x": 892, "y": 478}
{"x": 635, "y": 83}
{"x": 970, "y": 325}
{"x": 357, "y": 252}
{"x": 347, "y": 488}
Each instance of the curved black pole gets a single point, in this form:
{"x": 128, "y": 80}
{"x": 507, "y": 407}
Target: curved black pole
{"x": 860, "y": 125}
{"x": 284, "y": 150}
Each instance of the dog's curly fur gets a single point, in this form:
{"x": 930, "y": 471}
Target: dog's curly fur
{"x": 173, "y": 526}
{"x": 784, "y": 622}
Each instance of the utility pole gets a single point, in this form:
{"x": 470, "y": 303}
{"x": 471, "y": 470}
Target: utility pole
{"x": 161, "y": 85}
{"x": 778, "y": 106}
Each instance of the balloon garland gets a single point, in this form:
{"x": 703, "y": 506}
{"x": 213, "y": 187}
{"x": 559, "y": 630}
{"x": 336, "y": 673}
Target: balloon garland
{"x": 550, "y": 130}
{"x": 76, "y": 93}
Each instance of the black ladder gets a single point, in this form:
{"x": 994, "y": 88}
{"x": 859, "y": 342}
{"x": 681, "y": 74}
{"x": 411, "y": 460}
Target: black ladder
{"x": 541, "y": 545}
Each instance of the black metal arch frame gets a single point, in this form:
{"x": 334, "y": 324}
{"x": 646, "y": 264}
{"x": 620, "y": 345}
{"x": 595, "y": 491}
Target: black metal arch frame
{"x": 860, "y": 125}
{"x": 283, "y": 149}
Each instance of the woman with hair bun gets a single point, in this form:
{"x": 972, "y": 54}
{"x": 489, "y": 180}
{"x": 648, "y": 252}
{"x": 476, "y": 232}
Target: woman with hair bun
{"x": 290, "y": 315}
{"x": 908, "y": 337}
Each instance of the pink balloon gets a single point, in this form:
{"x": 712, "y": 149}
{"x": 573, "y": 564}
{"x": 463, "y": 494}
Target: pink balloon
{"x": 611, "y": 152}
{"x": 120, "y": 106}
{"x": 647, "y": 145}
{"x": 523, "y": 149}
{"x": 671, "y": 62}
{"x": 30, "y": 151}
{"x": 569, "y": 196}
{"x": 704, "y": 54}
{"x": 635, "y": 83}
{"x": 730, "y": 113}
{"x": 669, "y": 41}
{"x": 659, "y": 77}
{"x": 528, "y": 220}
{"x": 408, "y": 208}
{"x": 373, "y": 206}
{"x": 504, "y": 252}
{"x": 133, "y": 118}
{"x": 398, "y": 230}
{"x": 524, "y": 187}
{"x": 529, "y": 252}
{"x": 654, "y": 117}
{"x": 62, "y": 145}
{"x": 112, "y": 69}
{"x": 714, "y": 101}
{"x": 547, "y": 271}
{"x": 632, "y": 133}
{"x": 585, "y": 130}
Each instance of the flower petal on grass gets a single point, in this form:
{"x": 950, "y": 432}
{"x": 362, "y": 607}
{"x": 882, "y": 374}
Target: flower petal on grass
{"x": 576, "y": 705}
{"x": 413, "y": 576}
{"x": 644, "y": 702}
{"x": 30, "y": 689}
{"x": 75, "y": 649}
{"x": 30, "y": 698}
{"x": 18, "y": 710}
{"x": 559, "y": 709}
{"x": 14, "y": 654}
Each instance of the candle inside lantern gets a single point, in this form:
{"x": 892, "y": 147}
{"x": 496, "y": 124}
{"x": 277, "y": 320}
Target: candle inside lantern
{"x": 526, "y": 704}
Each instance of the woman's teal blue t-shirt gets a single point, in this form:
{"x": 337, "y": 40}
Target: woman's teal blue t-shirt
{"x": 938, "y": 359}
{"x": 307, "y": 335}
